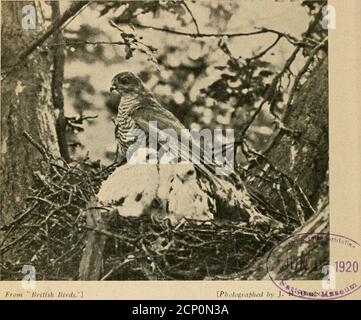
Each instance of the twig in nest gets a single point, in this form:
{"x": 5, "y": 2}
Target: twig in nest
{"x": 117, "y": 267}
{"x": 40, "y": 148}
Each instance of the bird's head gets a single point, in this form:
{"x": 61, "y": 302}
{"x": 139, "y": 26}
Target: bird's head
{"x": 126, "y": 82}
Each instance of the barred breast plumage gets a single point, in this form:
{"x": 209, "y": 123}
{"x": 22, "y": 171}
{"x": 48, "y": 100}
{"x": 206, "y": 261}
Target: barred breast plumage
{"x": 125, "y": 123}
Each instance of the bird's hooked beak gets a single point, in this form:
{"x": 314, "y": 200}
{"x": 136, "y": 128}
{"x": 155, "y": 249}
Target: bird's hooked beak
{"x": 113, "y": 88}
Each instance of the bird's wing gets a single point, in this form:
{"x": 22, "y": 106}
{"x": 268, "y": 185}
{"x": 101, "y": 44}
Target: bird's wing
{"x": 166, "y": 120}
{"x": 152, "y": 112}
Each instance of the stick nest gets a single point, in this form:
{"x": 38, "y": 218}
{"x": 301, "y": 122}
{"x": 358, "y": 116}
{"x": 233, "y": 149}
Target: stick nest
{"x": 50, "y": 234}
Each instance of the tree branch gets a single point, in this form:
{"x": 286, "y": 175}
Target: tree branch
{"x": 57, "y": 86}
{"x": 79, "y": 43}
{"x": 280, "y": 35}
{"x": 268, "y": 94}
{"x": 192, "y": 16}
{"x": 74, "y": 8}
{"x": 279, "y": 76}
{"x": 304, "y": 69}
{"x": 290, "y": 38}
{"x": 262, "y": 53}
{"x": 39, "y": 147}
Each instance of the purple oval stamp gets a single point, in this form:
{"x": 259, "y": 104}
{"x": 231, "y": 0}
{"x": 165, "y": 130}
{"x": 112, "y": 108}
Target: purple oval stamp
{"x": 316, "y": 266}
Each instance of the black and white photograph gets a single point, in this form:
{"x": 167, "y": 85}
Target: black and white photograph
{"x": 167, "y": 140}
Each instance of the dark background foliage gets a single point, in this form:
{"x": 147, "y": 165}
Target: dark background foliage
{"x": 205, "y": 81}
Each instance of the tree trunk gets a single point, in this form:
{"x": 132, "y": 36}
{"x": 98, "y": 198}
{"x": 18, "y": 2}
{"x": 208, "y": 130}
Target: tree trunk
{"x": 26, "y": 106}
{"x": 298, "y": 158}
{"x": 303, "y": 159}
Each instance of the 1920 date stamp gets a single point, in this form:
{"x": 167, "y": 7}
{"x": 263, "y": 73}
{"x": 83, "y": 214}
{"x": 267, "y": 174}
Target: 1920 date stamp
{"x": 333, "y": 272}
